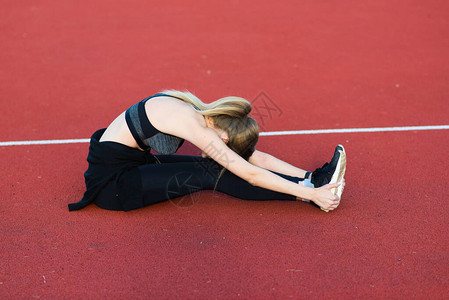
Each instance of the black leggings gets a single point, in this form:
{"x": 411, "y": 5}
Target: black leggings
{"x": 175, "y": 176}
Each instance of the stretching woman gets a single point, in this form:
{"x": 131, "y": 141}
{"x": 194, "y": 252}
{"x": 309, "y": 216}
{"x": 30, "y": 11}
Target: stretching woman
{"x": 124, "y": 175}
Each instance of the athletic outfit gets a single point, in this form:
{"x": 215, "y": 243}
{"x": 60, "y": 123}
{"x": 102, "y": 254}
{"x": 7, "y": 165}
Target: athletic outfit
{"x": 124, "y": 178}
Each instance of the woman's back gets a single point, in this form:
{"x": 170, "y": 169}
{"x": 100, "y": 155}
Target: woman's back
{"x": 164, "y": 113}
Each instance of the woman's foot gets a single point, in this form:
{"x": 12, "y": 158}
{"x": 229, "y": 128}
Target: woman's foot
{"x": 332, "y": 172}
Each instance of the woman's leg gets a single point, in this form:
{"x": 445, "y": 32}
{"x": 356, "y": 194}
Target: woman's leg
{"x": 178, "y": 175}
{"x": 235, "y": 186}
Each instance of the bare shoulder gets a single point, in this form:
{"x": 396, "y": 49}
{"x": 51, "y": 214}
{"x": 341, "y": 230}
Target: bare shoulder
{"x": 173, "y": 116}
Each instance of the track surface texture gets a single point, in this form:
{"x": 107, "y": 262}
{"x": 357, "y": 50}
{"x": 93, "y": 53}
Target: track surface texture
{"x": 68, "y": 68}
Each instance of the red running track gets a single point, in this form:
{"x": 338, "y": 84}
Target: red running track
{"x": 68, "y": 68}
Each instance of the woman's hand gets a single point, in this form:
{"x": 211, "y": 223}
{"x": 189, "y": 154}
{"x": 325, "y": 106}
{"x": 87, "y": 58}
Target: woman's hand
{"x": 324, "y": 198}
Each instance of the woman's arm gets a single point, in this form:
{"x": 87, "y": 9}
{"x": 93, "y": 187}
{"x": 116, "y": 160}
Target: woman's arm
{"x": 269, "y": 162}
{"x": 208, "y": 141}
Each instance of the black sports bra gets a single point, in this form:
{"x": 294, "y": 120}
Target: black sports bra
{"x": 145, "y": 134}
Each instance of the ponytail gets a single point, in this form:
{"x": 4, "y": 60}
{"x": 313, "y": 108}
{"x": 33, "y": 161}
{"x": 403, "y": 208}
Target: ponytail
{"x": 234, "y": 107}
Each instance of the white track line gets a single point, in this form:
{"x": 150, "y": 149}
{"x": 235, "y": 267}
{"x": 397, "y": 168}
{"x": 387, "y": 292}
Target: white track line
{"x": 268, "y": 133}
{"x": 356, "y": 130}
{"x": 44, "y": 142}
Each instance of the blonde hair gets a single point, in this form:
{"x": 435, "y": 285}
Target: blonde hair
{"x": 229, "y": 114}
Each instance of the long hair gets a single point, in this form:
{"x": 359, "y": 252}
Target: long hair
{"x": 229, "y": 114}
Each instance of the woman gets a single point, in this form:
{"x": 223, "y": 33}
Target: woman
{"x": 124, "y": 175}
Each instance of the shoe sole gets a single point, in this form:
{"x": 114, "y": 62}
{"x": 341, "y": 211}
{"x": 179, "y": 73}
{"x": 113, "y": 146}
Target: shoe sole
{"x": 339, "y": 173}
